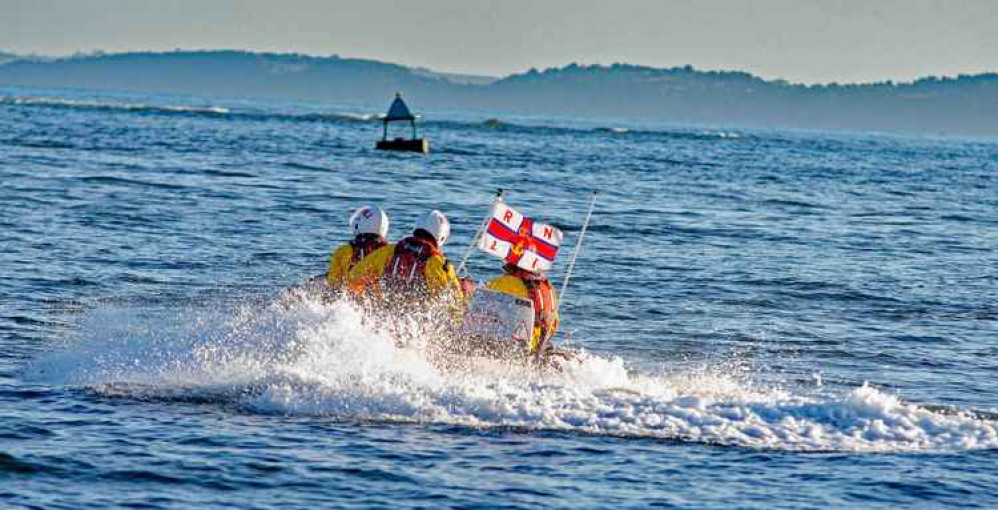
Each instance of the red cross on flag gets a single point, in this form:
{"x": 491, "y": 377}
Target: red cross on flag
{"x": 519, "y": 240}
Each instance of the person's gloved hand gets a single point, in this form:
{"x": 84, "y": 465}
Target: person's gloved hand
{"x": 467, "y": 286}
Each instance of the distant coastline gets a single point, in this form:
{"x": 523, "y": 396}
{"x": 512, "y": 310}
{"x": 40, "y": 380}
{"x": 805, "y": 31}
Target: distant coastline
{"x": 964, "y": 105}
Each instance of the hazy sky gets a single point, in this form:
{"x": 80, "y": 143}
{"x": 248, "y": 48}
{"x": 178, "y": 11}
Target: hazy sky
{"x": 807, "y": 41}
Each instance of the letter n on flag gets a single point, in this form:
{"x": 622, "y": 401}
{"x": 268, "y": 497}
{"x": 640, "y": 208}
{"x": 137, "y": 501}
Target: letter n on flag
{"x": 519, "y": 240}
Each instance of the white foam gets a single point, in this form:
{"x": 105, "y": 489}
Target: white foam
{"x": 723, "y": 134}
{"x": 307, "y": 358}
{"x": 111, "y": 105}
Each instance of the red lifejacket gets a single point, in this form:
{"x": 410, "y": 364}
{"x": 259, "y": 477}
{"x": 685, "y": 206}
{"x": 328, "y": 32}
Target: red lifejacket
{"x": 541, "y": 293}
{"x": 364, "y": 245}
{"x": 408, "y": 262}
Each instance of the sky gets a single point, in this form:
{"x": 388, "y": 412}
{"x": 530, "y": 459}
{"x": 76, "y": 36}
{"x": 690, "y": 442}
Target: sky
{"x": 818, "y": 41}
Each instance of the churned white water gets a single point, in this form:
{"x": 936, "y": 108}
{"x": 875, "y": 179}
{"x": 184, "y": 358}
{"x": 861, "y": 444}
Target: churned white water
{"x": 309, "y": 358}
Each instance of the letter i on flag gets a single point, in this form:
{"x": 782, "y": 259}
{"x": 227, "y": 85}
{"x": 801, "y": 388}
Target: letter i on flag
{"x": 520, "y": 240}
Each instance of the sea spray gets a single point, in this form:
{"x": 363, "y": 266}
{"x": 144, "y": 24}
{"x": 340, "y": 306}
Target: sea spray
{"x": 304, "y": 357}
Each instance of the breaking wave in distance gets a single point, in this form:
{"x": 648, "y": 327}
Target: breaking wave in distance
{"x": 98, "y": 105}
{"x": 307, "y": 358}
{"x": 183, "y": 110}
{"x": 336, "y": 117}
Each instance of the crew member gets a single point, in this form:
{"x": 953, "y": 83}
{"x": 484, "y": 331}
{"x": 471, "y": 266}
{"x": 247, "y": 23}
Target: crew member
{"x": 369, "y": 225}
{"x": 536, "y": 287}
{"x": 413, "y": 269}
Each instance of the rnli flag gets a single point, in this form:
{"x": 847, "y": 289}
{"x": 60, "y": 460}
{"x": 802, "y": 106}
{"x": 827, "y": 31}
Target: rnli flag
{"x": 520, "y": 240}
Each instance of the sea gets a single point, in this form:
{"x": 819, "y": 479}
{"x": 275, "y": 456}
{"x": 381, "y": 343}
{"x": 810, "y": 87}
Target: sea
{"x": 762, "y": 318}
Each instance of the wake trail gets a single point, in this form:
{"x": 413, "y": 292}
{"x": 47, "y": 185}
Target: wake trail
{"x": 307, "y": 358}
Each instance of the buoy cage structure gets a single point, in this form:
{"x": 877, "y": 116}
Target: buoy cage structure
{"x": 399, "y": 112}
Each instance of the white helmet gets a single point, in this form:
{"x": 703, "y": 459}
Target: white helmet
{"x": 369, "y": 220}
{"x": 437, "y": 225}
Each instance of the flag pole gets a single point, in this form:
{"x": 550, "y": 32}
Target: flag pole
{"x": 575, "y": 253}
{"x": 474, "y": 242}
{"x": 568, "y": 272}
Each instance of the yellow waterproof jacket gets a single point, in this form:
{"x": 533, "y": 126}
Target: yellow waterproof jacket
{"x": 438, "y": 273}
{"x": 340, "y": 263}
{"x": 545, "y": 303}
{"x": 343, "y": 259}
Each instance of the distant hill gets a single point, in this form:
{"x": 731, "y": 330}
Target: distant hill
{"x": 967, "y": 105}
{"x": 964, "y": 105}
{"x": 458, "y": 78}
{"x": 233, "y": 74}
{"x": 7, "y": 57}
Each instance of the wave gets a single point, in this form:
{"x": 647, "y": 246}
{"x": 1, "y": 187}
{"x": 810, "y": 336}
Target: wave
{"x": 97, "y": 105}
{"x": 722, "y": 134}
{"x": 612, "y": 130}
{"x": 121, "y": 181}
{"x": 359, "y": 117}
{"x": 210, "y": 111}
{"x": 313, "y": 359}
{"x": 10, "y": 464}
{"x": 220, "y": 112}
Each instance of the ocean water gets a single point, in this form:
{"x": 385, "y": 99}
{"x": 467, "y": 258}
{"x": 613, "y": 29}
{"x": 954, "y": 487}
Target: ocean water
{"x": 768, "y": 319}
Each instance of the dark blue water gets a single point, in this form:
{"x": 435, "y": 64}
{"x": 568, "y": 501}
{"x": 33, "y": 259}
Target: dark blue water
{"x": 770, "y": 319}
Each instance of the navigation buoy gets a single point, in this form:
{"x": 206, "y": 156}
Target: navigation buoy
{"x": 399, "y": 112}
